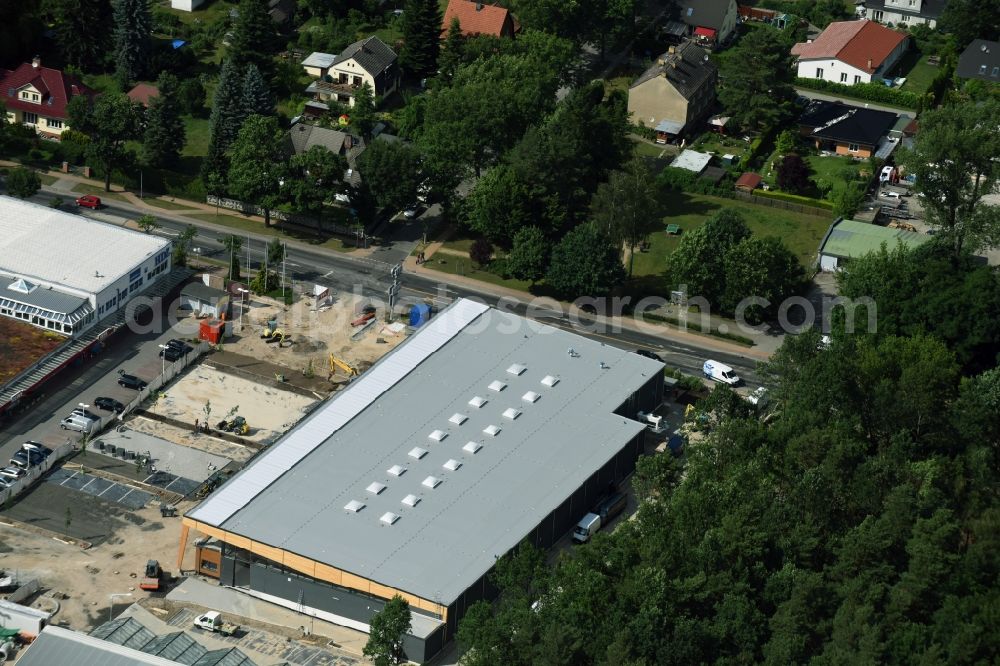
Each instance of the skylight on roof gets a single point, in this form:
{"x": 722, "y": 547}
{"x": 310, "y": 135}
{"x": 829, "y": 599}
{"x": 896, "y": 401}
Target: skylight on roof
{"x": 397, "y": 470}
{"x": 431, "y": 482}
{"x": 354, "y": 506}
{"x": 511, "y": 413}
{"x": 530, "y": 396}
{"x": 389, "y": 518}
{"x": 550, "y": 381}
{"x": 410, "y": 500}
{"x": 472, "y": 447}
{"x": 417, "y": 452}
{"x": 492, "y": 430}
{"x": 452, "y": 464}
{"x": 497, "y": 385}
{"x": 375, "y": 487}
{"x": 517, "y": 369}
{"x": 438, "y": 435}
{"x": 477, "y": 402}
{"x": 458, "y": 419}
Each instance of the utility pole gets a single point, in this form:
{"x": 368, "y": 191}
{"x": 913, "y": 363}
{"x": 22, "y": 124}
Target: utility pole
{"x": 393, "y": 290}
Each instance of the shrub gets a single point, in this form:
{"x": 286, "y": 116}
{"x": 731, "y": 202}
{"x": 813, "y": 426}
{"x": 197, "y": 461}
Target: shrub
{"x": 793, "y": 198}
{"x": 481, "y": 252}
{"x": 871, "y": 92}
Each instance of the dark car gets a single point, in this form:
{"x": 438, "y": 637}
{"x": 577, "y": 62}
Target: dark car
{"x": 131, "y": 381}
{"x": 171, "y": 354}
{"x": 25, "y": 459}
{"x": 109, "y": 404}
{"x": 648, "y": 354}
{"x": 37, "y": 447}
{"x": 180, "y": 346}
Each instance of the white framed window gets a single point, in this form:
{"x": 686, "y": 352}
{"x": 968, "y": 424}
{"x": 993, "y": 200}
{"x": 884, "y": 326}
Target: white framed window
{"x": 853, "y": 147}
{"x": 857, "y": 78}
{"x": 53, "y": 123}
{"x": 843, "y": 77}
{"x": 30, "y": 118}
{"x": 819, "y": 72}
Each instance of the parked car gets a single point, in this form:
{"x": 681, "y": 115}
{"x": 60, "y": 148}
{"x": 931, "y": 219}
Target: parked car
{"x": 109, "y": 404}
{"x": 180, "y": 345}
{"x": 89, "y": 201}
{"x": 85, "y": 413}
{"x": 648, "y": 354}
{"x": 78, "y": 424}
{"x": 720, "y": 372}
{"x": 37, "y": 447}
{"x": 25, "y": 459}
{"x": 12, "y": 473}
{"x": 131, "y": 381}
{"x": 171, "y": 354}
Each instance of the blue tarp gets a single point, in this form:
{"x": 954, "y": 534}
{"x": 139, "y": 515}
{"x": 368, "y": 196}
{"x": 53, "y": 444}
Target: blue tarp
{"x": 419, "y": 314}
{"x": 177, "y": 43}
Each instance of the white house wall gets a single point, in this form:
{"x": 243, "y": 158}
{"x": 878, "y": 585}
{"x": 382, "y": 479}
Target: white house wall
{"x": 832, "y": 71}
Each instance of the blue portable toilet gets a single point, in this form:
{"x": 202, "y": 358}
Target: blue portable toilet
{"x": 676, "y": 444}
{"x": 419, "y": 314}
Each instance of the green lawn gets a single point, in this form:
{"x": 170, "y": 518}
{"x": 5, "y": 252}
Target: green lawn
{"x": 831, "y": 168}
{"x": 919, "y": 78}
{"x": 166, "y": 205}
{"x": 456, "y": 265}
{"x": 643, "y": 149}
{"x": 711, "y": 142}
{"x": 460, "y": 245}
{"x": 47, "y": 179}
{"x": 196, "y": 134}
{"x": 84, "y": 188}
{"x": 246, "y": 224}
{"x": 800, "y": 233}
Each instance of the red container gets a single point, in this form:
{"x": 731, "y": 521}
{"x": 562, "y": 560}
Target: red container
{"x": 212, "y": 330}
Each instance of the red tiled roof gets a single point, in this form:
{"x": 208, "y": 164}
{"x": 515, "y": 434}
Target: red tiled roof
{"x": 478, "y": 19}
{"x": 55, "y": 87}
{"x": 854, "y": 42}
{"x": 143, "y": 92}
{"x": 749, "y": 180}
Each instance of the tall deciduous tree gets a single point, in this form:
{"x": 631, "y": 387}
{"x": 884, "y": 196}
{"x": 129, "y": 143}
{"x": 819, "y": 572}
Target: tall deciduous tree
{"x": 181, "y": 245}
{"x": 164, "y": 136}
{"x": 529, "y": 256}
{"x": 971, "y": 19}
{"x": 133, "y": 29}
{"x": 255, "y": 94}
{"x": 585, "y": 263}
{"x": 362, "y": 113}
{"x": 421, "y": 37}
{"x": 73, "y": 24}
{"x": 315, "y": 177}
{"x": 954, "y": 159}
{"x": 113, "y": 120}
{"x": 254, "y": 37}
{"x": 793, "y": 174}
{"x": 756, "y": 80}
{"x": 387, "y": 628}
{"x": 391, "y": 171}
{"x": 762, "y": 268}
{"x": 257, "y": 165}
{"x": 698, "y": 263}
{"x": 626, "y": 206}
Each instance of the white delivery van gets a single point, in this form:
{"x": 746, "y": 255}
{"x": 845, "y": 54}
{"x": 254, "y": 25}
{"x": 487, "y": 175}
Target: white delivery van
{"x": 720, "y": 372}
{"x": 79, "y": 424}
{"x": 586, "y": 528}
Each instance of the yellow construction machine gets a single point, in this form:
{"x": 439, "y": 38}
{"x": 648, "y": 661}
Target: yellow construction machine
{"x": 347, "y": 368}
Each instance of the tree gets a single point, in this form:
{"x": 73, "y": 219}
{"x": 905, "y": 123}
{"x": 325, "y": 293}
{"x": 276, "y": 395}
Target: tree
{"x": 147, "y": 223}
{"x": 529, "y": 256}
{"x": 233, "y": 245}
{"x": 847, "y": 197}
{"x": 626, "y": 207}
{"x": 501, "y": 205}
{"x": 971, "y": 19}
{"x": 164, "y": 136}
{"x": 275, "y": 252}
{"x": 257, "y": 164}
{"x": 191, "y": 95}
{"x": 481, "y": 252}
{"x": 392, "y": 172}
{"x": 363, "y": 111}
{"x": 421, "y": 37}
{"x": 316, "y": 176}
{"x": 255, "y": 96}
{"x": 228, "y": 112}
{"x": 181, "y": 245}
{"x": 585, "y": 263}
{"x": 23, "y": 182}
{"x": 254, "y": 37}
{"x": 698, "y": 263}
{"x": 756, "y": 80}
{"x": 793, "y": 174}
{"x": 954, "y": 161}
{"x": 387, "y": 628}
{"x": 452, "y": 52}
{"x": 112, "y": 122}
{"x": 133, "y": 28}
{"x": 73, "y": 24}
{"x": 760, "y": 267}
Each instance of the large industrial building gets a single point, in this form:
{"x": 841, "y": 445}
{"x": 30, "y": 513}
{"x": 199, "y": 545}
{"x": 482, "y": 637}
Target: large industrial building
{"x": 481, "y": 431}
{"x": 65, "y": 272}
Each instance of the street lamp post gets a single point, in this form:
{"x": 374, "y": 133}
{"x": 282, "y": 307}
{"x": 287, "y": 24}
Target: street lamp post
{"x": 163, "y": 361}
{"x": 243, "y": 300}
{"x": 111, "y": 606}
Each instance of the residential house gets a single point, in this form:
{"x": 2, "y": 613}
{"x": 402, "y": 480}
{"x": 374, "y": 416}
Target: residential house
{"x": 143, "y": 92}
{"x": 849, "y": 239}
{"x": 846, "y": 130}
{"x": 981, "y": 61}
{"x": 903, "y": 12}
{"x": 675, "y": 93}
{"x": 37, "y": 97}
{"x": 712, "y": 22}
{"x": 186, "y": 5}
{"x": 367, "y": 61}
{"x": 318, "y": 65}
{"x": 748, "y": 182}
{"x": 477, "y": 18}
{"x": 303, "y": 136}
{"x": 851, "y": 52}
{"x": 281, "y": 11}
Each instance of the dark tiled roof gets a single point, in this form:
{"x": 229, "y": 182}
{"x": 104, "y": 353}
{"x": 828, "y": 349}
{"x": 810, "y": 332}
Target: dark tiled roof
{"x": 705, "y": 13}
{"x": 688, "y": 69}
{"x": 839, "y": 122}
{"x": 980, "y": 53}
{"x": 55, "y": 87}
{"x": 372, "y": 54}
{"x": 303, "y": 136}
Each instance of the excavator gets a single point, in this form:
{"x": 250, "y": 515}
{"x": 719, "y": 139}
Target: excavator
{"x": 347, "y": 368}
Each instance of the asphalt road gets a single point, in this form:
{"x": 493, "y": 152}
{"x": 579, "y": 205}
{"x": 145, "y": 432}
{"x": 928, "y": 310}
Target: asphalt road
{"x": 829, "y": 97}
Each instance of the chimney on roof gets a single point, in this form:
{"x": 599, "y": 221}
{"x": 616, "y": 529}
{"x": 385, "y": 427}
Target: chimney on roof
{"x": 869, "y": 63}
{"x": 36, "y": 62}
{"x": 479, "y": 6}
{"x": 671, "y": 49}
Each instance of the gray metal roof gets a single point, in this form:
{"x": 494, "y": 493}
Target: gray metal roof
{"x": 124, "y": 631}
{"x": 705, "y": 13}
{"x": 44, "y": 298}
{"x": 295, "y": 495}
{"x": 56, "y": 646}
{"x": 319, "y": 59}
{"x": 203, "y": 292}
{"x": 371, "y": 53}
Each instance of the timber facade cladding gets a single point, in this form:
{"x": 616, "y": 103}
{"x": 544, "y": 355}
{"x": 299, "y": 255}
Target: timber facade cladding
{"x": 242, "y": 569}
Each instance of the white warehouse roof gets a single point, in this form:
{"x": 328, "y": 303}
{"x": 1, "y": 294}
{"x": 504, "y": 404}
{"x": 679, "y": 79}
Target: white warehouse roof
{"x": 69, "y": 250}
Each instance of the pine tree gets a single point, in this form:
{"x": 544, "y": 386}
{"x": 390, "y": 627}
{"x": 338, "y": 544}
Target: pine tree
{"x": 254, "y": 39}
{"x": 227, "y": 110}
{"x": 421, "y": 37}
{"x": 164, "y": 135}
{"x": 72, "y": 25}
{"x": 256, "y": 98}
{"x": 452, "y": 51}
{"x": 133, "y": 23}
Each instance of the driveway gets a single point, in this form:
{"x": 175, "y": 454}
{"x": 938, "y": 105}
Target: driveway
{"x": 812, "y": 94}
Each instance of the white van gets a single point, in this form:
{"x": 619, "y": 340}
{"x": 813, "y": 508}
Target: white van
{"x": 586, "y": 528}
{"x": 720, "y": 372}
{"x": 78, "y": 424}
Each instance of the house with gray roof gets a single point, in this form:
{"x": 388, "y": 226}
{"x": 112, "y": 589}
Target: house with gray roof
{"x": 302, "y": 136}
{"x": 368, "y": 61}
{"x": 981, "y": 61}
{"x": 711, "y": 22}
{"x": 676, "y": 92}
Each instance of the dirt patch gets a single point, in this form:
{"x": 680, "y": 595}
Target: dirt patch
{"x": 21, "y": 345}
{"x": 187, "y": 437}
